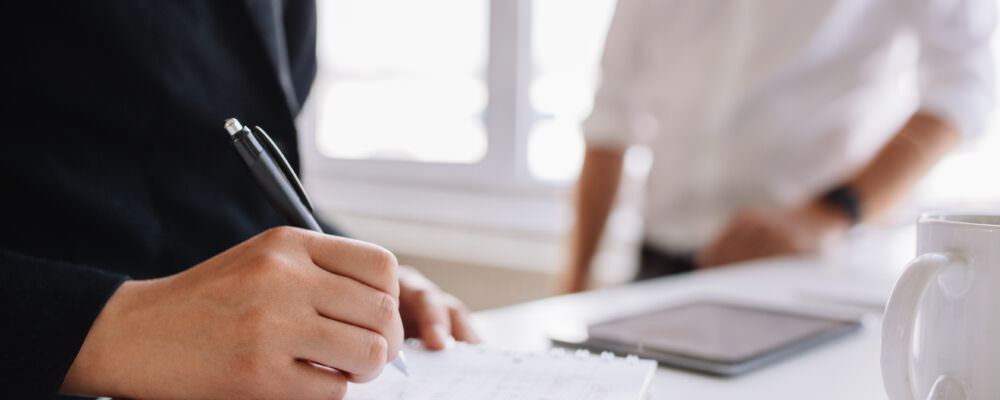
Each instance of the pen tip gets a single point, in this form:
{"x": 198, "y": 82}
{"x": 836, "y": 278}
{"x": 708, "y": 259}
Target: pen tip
{"x": 233, "y": 125}
{"x": 400, "y": 364}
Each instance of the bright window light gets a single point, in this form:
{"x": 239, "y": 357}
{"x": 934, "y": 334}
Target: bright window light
{"x": 966, "y": 178}
{"x": 566, "y": 52}
{"x": 402, "y": 80}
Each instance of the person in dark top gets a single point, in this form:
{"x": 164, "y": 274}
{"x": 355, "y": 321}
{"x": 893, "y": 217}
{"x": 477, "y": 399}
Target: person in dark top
{"x": 137, "y": 256}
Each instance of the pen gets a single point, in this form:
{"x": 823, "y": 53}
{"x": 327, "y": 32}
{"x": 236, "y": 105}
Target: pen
{"x": 278, "y": 181}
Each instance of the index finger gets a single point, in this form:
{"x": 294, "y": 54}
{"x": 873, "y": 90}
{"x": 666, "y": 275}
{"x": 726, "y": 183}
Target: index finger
{"x": 364, "y": 262}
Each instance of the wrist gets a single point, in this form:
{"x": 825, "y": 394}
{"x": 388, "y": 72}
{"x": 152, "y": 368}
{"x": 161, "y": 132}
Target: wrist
{"x": 828, "y": 219}
{"x": 95, "y": 371}
{"x": 571, "y": 280}
{"x": 844, "y": 200}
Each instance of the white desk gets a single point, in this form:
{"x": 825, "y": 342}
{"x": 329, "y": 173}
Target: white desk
{"x": 845, "y": 369}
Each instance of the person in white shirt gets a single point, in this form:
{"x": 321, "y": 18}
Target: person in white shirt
{"x": 775, "y": 125}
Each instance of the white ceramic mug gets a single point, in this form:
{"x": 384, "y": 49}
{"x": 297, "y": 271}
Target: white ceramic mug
{"x": 941, "y": 332}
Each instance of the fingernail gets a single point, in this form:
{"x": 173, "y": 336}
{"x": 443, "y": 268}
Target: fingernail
{"x": 442, "y": 336}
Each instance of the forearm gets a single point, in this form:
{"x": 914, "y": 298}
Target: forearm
{"x": 921, "y": 143}
{"x": 751, "y": 234}
{"x": 595, "y": 196}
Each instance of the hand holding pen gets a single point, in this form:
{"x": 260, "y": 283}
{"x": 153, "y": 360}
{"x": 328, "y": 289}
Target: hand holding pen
{"x": 282, "y": 187}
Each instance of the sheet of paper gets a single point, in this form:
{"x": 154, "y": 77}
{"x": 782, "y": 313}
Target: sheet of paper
{"x": 480, "y": 373}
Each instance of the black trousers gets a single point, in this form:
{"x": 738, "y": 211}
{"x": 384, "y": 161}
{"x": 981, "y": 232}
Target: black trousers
{"x": 654, "y": 263}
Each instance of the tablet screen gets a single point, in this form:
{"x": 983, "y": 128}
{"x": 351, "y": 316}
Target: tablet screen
{"x": 718, "y": 332}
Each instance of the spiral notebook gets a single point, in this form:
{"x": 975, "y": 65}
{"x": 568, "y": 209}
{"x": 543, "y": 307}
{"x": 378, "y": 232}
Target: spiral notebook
{"x": 470, "y": 372}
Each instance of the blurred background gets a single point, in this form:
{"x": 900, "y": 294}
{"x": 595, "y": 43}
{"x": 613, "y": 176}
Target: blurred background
{"x": 449, "y": 131}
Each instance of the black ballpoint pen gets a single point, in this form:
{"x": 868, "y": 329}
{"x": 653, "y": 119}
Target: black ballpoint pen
{"x": 279, "y": 183}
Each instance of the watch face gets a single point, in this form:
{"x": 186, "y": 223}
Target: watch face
{"x": 844, "y": 199}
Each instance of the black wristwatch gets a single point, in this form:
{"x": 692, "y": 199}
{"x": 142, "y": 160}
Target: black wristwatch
{"x": 845, "y": 199}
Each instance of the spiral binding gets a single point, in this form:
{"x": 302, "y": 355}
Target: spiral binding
{"x": 554, "y": 353}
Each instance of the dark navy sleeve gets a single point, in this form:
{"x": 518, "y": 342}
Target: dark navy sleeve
{"x": 47, "y": 308}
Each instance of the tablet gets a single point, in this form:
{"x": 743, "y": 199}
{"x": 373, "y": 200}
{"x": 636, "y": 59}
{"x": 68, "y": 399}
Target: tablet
{"x": 713, "y": 337}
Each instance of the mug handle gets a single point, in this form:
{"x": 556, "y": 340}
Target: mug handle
{"x": 900, "y": 317}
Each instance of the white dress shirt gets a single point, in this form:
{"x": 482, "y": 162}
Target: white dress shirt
{"x": 761, "y": 103}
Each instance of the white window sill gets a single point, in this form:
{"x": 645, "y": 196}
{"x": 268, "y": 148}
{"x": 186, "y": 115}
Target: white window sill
{"x": 478, "y": 227}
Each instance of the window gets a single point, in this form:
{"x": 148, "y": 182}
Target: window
{"x": 402, "y": 80}
{"x": 566, "y": 52}
{"x": 456, "y": 92}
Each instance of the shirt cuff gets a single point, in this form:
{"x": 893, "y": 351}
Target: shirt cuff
{"x": 49, "y": 307}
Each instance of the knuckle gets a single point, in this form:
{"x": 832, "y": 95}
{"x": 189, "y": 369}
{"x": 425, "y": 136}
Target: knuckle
{"x": 268, "y": 260}
{"x": 274, "y": 266}
{"x": 385, "y": 307}
{"x": 384, "y": 264}
{"x": 279, "y": 234}
{"x": 262, "y": 270}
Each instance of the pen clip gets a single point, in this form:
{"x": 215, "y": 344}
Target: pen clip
{"x": 286, "y": 168}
